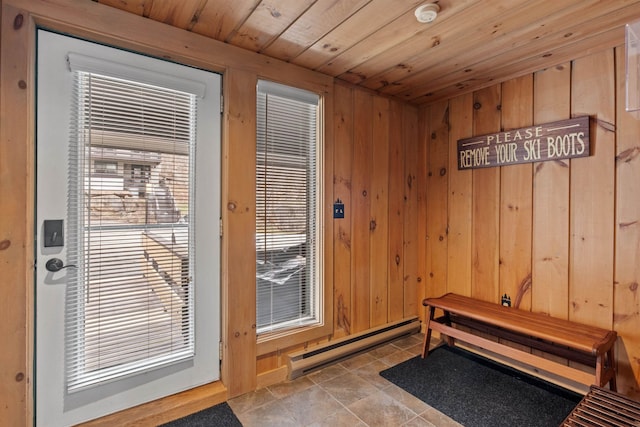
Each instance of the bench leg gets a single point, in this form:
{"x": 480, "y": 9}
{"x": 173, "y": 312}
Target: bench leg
{"x": 427, "y": 335}
{"x": 611, "y": 366}
{"x": 605, "y": 370}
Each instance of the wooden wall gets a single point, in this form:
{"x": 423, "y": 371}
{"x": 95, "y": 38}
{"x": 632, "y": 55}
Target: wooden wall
{"x": 376, "y": 174}
{"x": 559, "y": 237}
{"x": 379, "y": 169}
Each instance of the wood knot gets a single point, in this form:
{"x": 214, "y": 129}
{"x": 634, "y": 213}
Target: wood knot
{"x": 18, "y": 21}
{"x": 397, "y": 259}
{"x": 477, "y": 105}
{"x": 372, "y": 225}
{"x": 5, "y": 244}
{"x": 22, "y": 84}
{"x": 231, "y": 206}
{"x": 443, "y": 171}
{"x": 275, "y": 13}
{"x": 237, "y": 334}
{"x": 19, "y": 377}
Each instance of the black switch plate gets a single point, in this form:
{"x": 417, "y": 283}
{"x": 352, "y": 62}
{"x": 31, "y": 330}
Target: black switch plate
{"x": 338, "y": 209}
{"x": 53, "y": 233}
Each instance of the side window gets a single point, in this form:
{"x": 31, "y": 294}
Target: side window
{"x": 287, "y": 256}
{"x": 104, "y": 167}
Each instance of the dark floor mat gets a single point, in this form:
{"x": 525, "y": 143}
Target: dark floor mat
{"x": 220, "y": 415}
{"x": 475, "y": 391}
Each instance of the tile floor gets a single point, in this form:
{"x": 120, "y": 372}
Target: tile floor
{"x": 350, "y": 393}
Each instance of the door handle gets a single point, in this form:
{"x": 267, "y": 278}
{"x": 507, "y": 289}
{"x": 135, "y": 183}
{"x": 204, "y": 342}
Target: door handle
{"x": 56, "y": 264}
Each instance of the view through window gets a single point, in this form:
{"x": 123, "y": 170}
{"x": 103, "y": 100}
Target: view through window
{"x": 131, "y": 176}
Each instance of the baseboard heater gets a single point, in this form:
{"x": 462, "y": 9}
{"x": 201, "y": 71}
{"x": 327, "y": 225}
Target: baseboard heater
{"x": 305, "y": 361}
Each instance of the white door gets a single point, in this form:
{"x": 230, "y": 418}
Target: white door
{"x": 127, "y": 222}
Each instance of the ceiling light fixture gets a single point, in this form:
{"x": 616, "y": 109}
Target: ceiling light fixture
{"x": 427, "y": 12}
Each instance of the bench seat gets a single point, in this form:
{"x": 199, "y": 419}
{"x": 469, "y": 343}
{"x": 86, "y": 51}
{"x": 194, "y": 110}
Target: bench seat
{"x": 589, "y": 345}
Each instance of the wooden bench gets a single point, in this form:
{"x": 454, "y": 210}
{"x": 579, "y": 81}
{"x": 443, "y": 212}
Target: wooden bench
{"x": 588, "y": 345}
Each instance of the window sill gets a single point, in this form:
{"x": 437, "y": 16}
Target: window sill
{"x": 274, "y": 341}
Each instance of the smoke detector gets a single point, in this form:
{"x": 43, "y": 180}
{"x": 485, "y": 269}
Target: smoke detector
{"x": 427, "y": 12}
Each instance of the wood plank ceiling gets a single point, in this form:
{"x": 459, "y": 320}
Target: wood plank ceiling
{"x": 379, "y": 44}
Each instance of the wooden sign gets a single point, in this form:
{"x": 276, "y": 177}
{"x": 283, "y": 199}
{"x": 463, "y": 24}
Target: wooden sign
{"x": 565, "y": 139}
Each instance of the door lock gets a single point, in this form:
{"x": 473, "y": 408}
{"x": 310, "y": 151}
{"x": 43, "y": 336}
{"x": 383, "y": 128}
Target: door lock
{"x": 53, "y": 232}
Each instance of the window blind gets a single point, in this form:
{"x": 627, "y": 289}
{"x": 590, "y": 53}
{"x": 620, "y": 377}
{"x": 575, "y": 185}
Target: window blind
{"x": 129, "y": 304}
{"x": 286, "y": 208}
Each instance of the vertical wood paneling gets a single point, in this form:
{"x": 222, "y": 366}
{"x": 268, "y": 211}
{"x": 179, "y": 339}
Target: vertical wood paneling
{"x": 327, "y": 177}
{"x": 626, "y": 319}
{"x": 516, "y": 199}
{"x": 16, "y": 220}
{"x": 238, "y": 207}
{"x": 550, "y": 245}
{"x": 375, "y": 138}
{"x": 550, "y": 273}
{"x": 592, "y": 194}
{"x": 396, "y": 213}
{"x": 411, "y": 188}
{"x": 459, "y": 199}
{"x": 422, "y": 157}
{"x": 379, "y": 222}
{"x": 343, "y": 134}
{"x": 568, "y": 221}
{"x": 486, "y": 203}
{"x": 361, "y": 203}
{"x": 437, "y": 135}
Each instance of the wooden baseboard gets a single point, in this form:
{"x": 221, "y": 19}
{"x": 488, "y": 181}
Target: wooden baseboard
{"x": 166, "y": 409}
{"x": 273, "y": 376}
